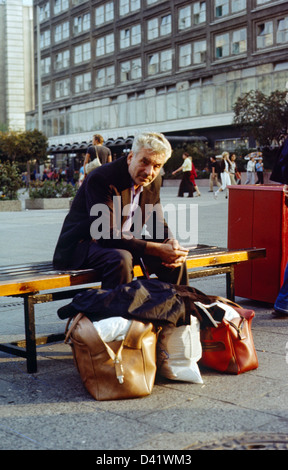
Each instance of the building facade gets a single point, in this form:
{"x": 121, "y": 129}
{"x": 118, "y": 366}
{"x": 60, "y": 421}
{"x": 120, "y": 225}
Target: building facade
{"x": 120, "y": 66}
{"x": 16, "y": 62}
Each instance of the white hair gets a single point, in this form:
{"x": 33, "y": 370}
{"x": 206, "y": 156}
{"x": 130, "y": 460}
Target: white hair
{"x": 153, "y": 141}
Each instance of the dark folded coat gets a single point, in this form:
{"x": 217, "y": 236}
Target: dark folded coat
{"x": 144, "y": 300}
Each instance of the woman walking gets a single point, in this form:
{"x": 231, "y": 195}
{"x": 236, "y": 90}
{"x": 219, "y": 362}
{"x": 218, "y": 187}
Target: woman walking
{"x": 185, "y": 185}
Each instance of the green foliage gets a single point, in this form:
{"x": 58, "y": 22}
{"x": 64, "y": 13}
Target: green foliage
{"x": 51, "y": 189}
{"x": 10, "y": 181}
{"x": 262, "y": 117}
{"x": 23, "y": 146}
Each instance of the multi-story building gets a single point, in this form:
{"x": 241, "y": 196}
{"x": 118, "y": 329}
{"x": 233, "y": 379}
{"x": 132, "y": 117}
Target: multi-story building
{"x": 120, "y": 66}
{"x": 16, "y": 62}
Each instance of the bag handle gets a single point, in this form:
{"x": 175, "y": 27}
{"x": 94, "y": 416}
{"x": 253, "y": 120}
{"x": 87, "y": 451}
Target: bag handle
{"x": 69, "y": 330}
{"x": 117, "y": 359}
{"x": 228, "y": 301}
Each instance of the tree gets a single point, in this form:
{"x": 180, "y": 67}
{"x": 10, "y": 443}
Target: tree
{"x": 24, "y": 146}
{"x": 265, "y": 118}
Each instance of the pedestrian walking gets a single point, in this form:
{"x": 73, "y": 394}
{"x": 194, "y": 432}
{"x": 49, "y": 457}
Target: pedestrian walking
{"x": 186, "y": 185}
{"x": 225, "y": 176}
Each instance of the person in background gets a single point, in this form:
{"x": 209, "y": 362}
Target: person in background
{"x": 280, "y": 175}
{"x": 233, "y": 169}
{"x": 225, "y": 176}
{"x": 250, "y": 171}
{"x": 186, "y": 185}
{"x": 103, "y": 152}
{"x": 214, "y": 174}
{"x": 259, "y": 167}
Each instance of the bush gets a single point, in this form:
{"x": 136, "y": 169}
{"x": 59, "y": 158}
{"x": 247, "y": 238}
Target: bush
{"x": 10, "y": 181}
{"x": 51, "y": 189}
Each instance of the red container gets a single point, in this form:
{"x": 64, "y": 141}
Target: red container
{"x": 258, "y": 217}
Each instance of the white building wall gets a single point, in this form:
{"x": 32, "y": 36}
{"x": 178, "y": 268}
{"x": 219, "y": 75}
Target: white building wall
{"x": 18, "y": 63}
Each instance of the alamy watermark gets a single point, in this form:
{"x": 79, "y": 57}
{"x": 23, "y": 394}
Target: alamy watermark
{"x": 182, "y": 220}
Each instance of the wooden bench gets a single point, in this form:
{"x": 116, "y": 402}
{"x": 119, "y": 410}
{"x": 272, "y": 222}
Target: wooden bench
{"x": 31, "y": 281}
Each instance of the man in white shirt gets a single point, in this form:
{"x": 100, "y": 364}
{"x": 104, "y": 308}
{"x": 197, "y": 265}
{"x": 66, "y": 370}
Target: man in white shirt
{"x": 251, "y": 171}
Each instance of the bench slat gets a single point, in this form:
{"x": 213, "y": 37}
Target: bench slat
{"x": 18, "y": 284}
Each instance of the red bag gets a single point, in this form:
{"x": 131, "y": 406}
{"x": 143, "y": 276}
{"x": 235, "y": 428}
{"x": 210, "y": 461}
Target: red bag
{"x": 229, "y": 348}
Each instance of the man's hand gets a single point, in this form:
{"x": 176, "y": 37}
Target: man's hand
{"x": 285, "y": 189}
{"x": 171, "y": 253}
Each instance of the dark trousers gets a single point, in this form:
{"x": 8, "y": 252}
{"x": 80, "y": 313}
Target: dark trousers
{"x": 115, "y": 267}
{"x": 186, "y": 186}
{"x": 260, "y": 177}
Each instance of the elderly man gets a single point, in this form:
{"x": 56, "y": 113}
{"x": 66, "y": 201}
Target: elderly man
{"x": 116, "y": 219}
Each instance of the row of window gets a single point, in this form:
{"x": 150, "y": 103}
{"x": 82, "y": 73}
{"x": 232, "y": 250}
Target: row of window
{"x": 226, "y": 45}
{"x": 106, "y": 12}
{"x": 131, "y": 69}
{"x": 214, "y": 95}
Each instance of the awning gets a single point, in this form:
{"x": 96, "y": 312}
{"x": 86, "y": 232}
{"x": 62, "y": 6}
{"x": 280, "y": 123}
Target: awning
{"x": 118, "y": 144}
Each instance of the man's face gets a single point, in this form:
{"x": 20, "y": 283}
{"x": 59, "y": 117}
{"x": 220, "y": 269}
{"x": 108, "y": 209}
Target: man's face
{"x": 144, "y": 166}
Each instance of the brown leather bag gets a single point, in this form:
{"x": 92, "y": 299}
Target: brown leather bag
{"x": 118, "y": 369}
{"x": 229, "y": 347}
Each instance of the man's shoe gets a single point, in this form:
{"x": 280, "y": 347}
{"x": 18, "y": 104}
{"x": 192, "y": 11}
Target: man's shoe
{"x": 280, "y": 313}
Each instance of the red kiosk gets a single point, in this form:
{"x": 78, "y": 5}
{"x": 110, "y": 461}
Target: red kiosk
{"x": 258, "y": 217}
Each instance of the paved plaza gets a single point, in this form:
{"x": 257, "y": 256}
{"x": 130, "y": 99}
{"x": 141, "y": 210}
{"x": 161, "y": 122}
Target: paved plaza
{"x": 51, "y": 410}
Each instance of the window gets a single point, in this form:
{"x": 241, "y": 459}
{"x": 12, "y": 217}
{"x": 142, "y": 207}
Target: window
{"x": 105, "y": 45}
{"x": 282, "y": 31}
{"x": 231, "y": 44}
{"x": 62, "y": 88}
{"x": 192, "y": 15}
{"x": 222, "y": 46}
{"x": 60, "y": 5}
{"x": 229, "y": 7}
{"x": 61, "y": 32}
{"x": 45, "y": 39}
{"x": 192, "y": 54}
{"x": 221, "y": 8}
{"x": 199, "y": 12}
{"x": 128, "y": 6}
{"x": 160, "y": 62}
{"x": 46, "y": 65}
{"x": 239, "y": 42}
{"x": 157, "y": 27}
{"x": 130, "y": 36}
{"x": 46, "y": 93}
{"x": 199, "y": 52}
{"x": 82, "y": 53}
{"x": 105, "y": 77}
{"x": 104, "y": 13}
{"x": 265, "y": 34}
{"x": 130, "y": 70}
{"x": 82, "y": 82}
{"x": 62, "y": 60}
{"x": 81, "y": 23}
{"x": 44, "y": 12}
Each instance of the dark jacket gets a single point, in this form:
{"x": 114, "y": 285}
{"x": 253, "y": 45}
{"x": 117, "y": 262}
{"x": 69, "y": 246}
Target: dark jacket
{"x": 144, "y": 300}
{"x": 108, "y": 187}
{"x": 280, "y": 170}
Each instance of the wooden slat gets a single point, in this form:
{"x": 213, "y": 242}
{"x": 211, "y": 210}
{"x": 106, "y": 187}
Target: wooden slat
{"x": 17, "y": 284}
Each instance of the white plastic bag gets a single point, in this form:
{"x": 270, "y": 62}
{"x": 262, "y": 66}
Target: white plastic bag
{"x": 112, "y": 329}
{"x": 178, "y": 351}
